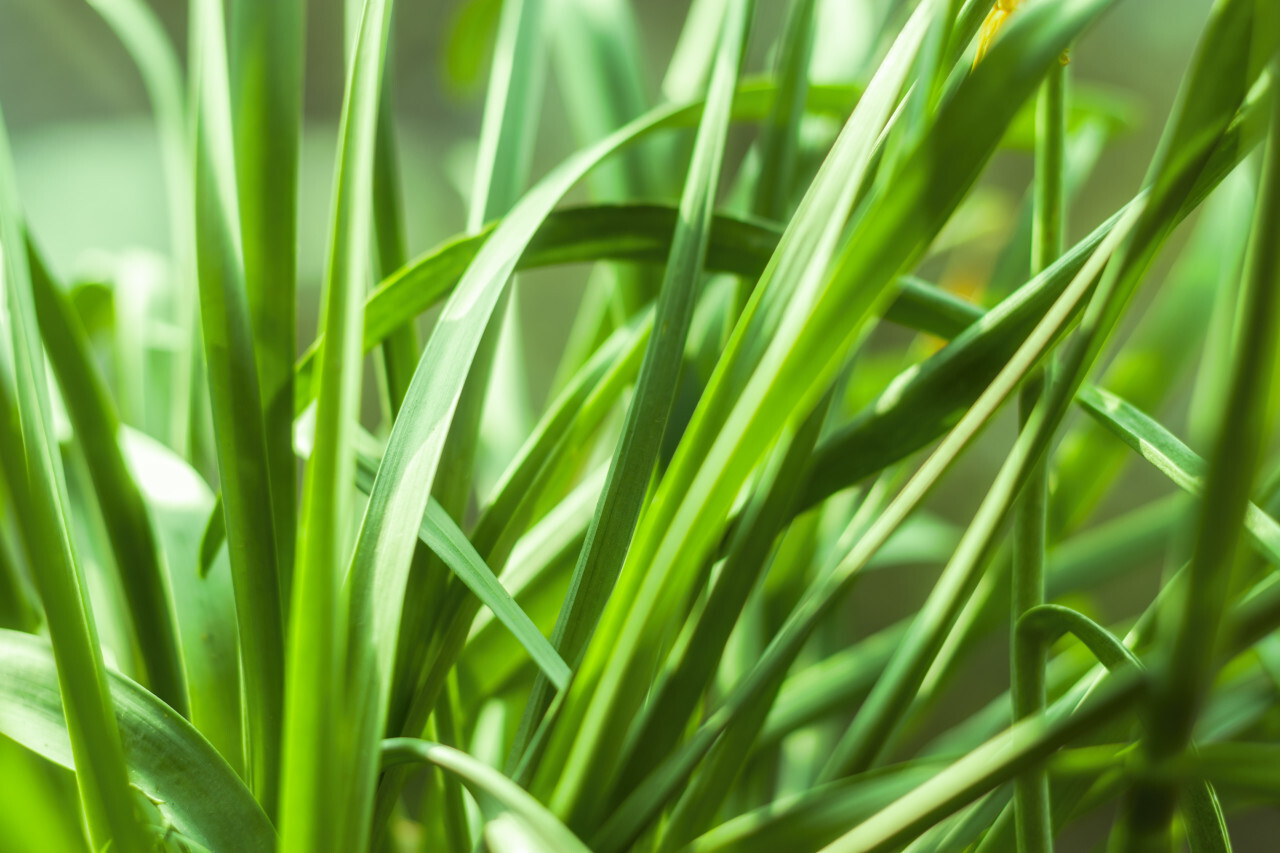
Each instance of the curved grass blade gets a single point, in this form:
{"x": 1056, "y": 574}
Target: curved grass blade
{"x": 133, "y": 542}
{"x": 168, "y": 761}
{"x": 239, "y": 435}
{"x": 1042, "y": 625}
{"x": 1047, "y": 622}
{"x": 44, "y": 523}
{"x": 780, "y": 136}
{"x": 490, "y": 788}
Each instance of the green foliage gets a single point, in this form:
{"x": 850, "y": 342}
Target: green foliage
{"x": 621, "y": 620}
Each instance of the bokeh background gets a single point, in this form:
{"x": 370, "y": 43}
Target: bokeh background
{"x": 90, "y": 175}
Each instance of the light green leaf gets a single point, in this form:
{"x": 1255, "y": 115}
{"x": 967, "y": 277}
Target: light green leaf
{"x": 195, "y": 791}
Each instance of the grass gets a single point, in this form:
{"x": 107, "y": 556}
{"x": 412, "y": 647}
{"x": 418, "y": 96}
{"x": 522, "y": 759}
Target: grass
{"x": 273, "y": 618}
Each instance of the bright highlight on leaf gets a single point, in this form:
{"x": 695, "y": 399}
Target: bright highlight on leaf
{"x": 546, "y": 459}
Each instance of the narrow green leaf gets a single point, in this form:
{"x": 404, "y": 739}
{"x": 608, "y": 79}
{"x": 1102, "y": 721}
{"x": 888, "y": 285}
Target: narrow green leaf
{"x": 184, "y": 777}
{"x": 265, "y": 56}
{"x": 44, "y": 523}
{"x": 400, "y": 352}
{"x": 780, "y": 137}
{"x": 1045, "y": 623}
{"x": 133, "y": 542}
{"x": 315, "y": 810}
{"x": 599, "y": 64}
{"x": 239, "y": 433}
{"x": 441, "y": 534}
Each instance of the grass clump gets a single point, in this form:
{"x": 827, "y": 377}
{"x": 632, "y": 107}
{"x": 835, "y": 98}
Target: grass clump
{"x": 272, "y": 617}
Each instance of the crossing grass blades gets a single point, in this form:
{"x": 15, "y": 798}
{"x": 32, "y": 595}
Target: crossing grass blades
{"x": 629, "y": 628}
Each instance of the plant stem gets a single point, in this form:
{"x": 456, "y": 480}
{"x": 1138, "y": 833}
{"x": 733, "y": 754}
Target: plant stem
{"x": 1031, "y": 790}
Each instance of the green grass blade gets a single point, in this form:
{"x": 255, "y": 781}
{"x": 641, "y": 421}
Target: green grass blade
{"x": 18, "y": 609}
{"x": 195, "y": 791}
{"x": 1172, "y": 458}
{"x": 489, "y": 786}
{"x": 133, "y": 542}
{"x": 637, "y": 450}
{"x": 690, "y": 66}
{"x": 507, "y": 133}
{"x": 1030, "y": 520}
{"x": 239, "y": 433}
{"x": 111, "y": 813}
{"x": 780, "y": 137}
{"x": 1045, "y": 623}
{"x": 1206, "y": 825}
{"x": 400, "y": 352}
{"x": 265, "y": 56}
{"x": 763, "y": 519}
{"x": 314, "y": 810}
{"x": 562, "y": 437}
